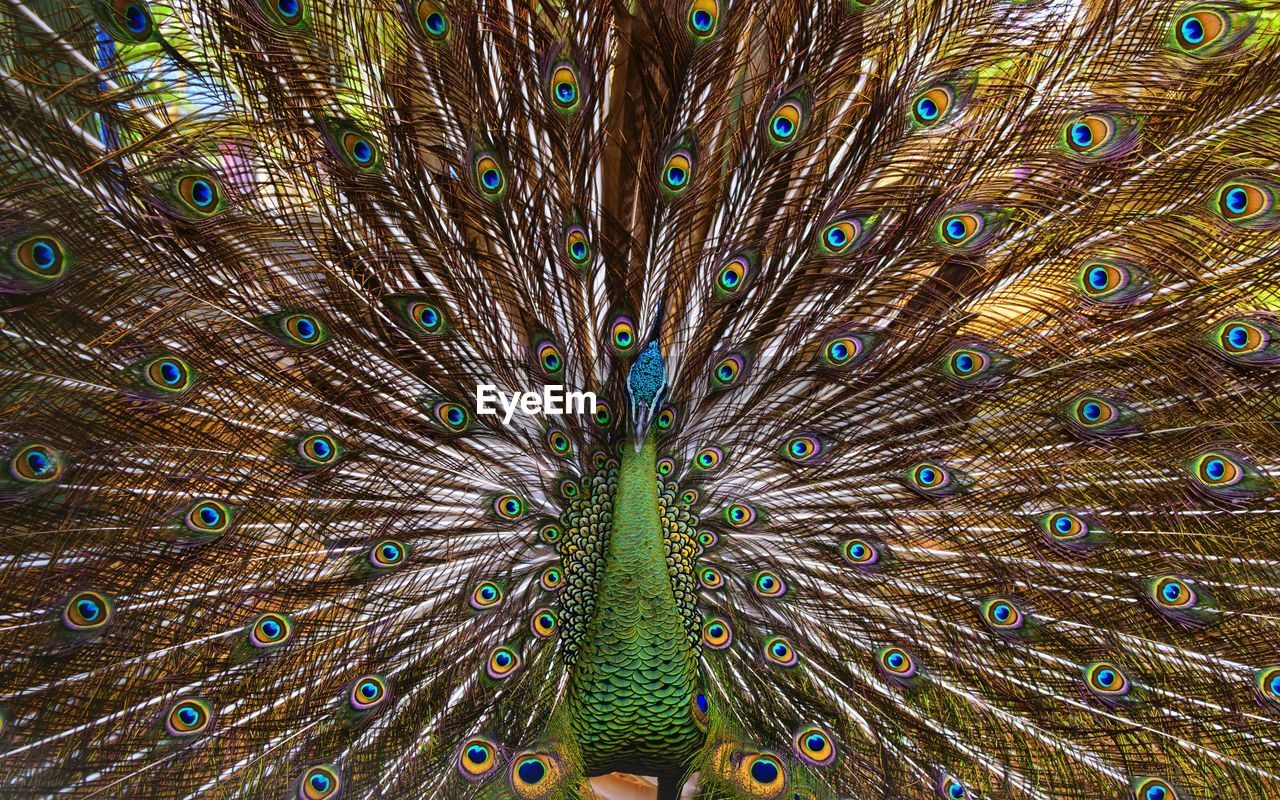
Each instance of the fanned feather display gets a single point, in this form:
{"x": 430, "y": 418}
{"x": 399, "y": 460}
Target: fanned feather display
{"x": 934, "y": 345}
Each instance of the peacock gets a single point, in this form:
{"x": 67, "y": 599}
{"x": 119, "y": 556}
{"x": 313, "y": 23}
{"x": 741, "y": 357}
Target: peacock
{"x": 929, "y": 353}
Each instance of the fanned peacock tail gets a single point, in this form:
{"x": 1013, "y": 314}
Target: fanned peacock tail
{"x": 935, "y": 344}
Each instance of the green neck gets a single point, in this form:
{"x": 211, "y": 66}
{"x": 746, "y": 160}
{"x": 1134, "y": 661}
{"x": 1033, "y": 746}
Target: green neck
{"x": 632, "y": 688}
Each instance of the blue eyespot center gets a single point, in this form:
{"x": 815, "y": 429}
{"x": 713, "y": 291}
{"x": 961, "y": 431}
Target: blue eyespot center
{"x": 44, "y": 255}
{"x": 1237, "y": 336}
{"x": 271, "y": 628}
{"x": 491, "y": 179}
{"x": 703, "y": 705}
{"x": 201, "y": 193}
{"x": 1275, "y": 685}
{"x": 210, "y": 516}
{"x": 39, "y": 462}
{"x": 436, "y": 23}
{"x": 362, "y": 151}
{"x": 836, "y": 237}
{"x": 88, "y": 610}
{"x": 927, "y": 109}
{"x": 956, "y": 792}
{"x": 1193, "y": 32}
{"x": 928, "y": 476}
{"x": 1081, "y": 134}
{"x": 368, "y": 689}
{"x": 1236, "y": 199}
{"x": 1001, "y": 612}
{"x": 1157, "y": 792}
{"x": 1062, "y": 524}
{"x": 579, "y": 250}
{"x": 1215, "y": 468}
{"x": 1106, "y": 678}
{"x": 565, "y": 91}
{"x": 1171, "y": 591}
{"x": 135, "y": 19}
{"x": 320, "y": 783}
{"x": 816, "y": 741}
{"x": 858, "y": 551}
{"x": 477, "y": 754}
{"x": 390, "y": 552}
{"x": 702, "y": 20}
{"x": 288, "y": 8}
{"x": 964, "y": 363}
{"x": 1098, "y": 278}
{"x": 779, "y": 649}
{"x": 783, "y": 126}
{"x": 170, "y": 372}
{"x": 764, "y": 770}
{"x": 676, "y": 176}
{"x": 187, "y": 715}
{"x": 1091, "y": 411}
{"x": 895, "y": 660}
{"x": 955, "y": 228}
{"x": 531, "y": 771}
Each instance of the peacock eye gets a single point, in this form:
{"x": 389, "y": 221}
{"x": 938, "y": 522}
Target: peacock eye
{"x": 487, "y": 595}
{"x": 359, "y": 150}
{"x": 200, "y": 193}
{"x": 187, "y": 718}
{"x": 710, "y": 578}
{"x": 207, "y": 518}
{"x": 734, "y": 274}
{"x": 450, "y": 416}
{"x": 432, "y": 20}
{"x": 708, "y": 458}
{"x": 603, "y": 415}
{"x": 502, "y": 663}
{"x": 803, "y": 449}
{"x": 387, "y": 553}
{"x": 622, "y": 334}
{"x": 534, "y": 774}
{"x": 766, "y": 774}
{"x": 304, "y": 328}
{"x": 564, "y": 89}
{"x": 727, "y": 370}
{"x": 319, "y": 783}
{"x": 86, "y": 611}
{"x": 703, "y": 17}
{"x": 1100, "y": 280}
{"x": 477, "y": 758}
{"x": 1242, "y": 201}
{"x": 552, "y": 579}
{"x": 897, "y": 663}
{"x": 133, "y": 18}
{"x": 666, "y": 418}
{"x": 550, "y": 533}
{"x": 489, "y": 176}
{"x": 1198, "y": 29}
{"x": 35, "y": 464}
{"x": 289, "y": 11}
{"x": 951, "y": 788}
{"x": 577, "y": 246}
{"x": 666, "y": 466}
{"x": 1001, "y": 615}
{"x": 814, "y": 746}
{"x": 508, "y": 506}
{"x": 716, "y": 634}
{"x": 958, "y": 230}
{"x": 1215, "y": 469}
{"x": 1091, "y": 411}
{"x": 967, "y": 363}
{"x": 786, "y": 123}
{"x": 1089, "y": 134}
{"x": 549, "y": 358}
{"x": 270, "y": 630}
{"x": 677, "y": 171}
{"x": 930, "y": 477}
{"x": 779, "y": 651}
{"x": 544, "y": 622}
{"x": 860, "y": 552}
{"x": 1172, "y": 593}
{"x": 708, "y": 539}
{"x": 1267, "y": 681}
{"x": 318, "y": 449}
{"x": 768, "y": 584}
{"x": 1106, "y": 680}
{"x": 1153, "y": 789}
{"x": 559, "y": 442}
{"x": 41, "y": 257}
{"x": 932, "y": 105}
{"x": 842, "y": 350}
{"x": 167, "y": 374}
{"x": 840, "y": 235}
{"x": 367, "y": 692}
{"x": 739, "y": 515}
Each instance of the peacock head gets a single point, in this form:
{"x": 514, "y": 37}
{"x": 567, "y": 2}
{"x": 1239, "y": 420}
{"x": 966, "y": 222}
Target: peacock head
{"x": 646, "y": 390}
